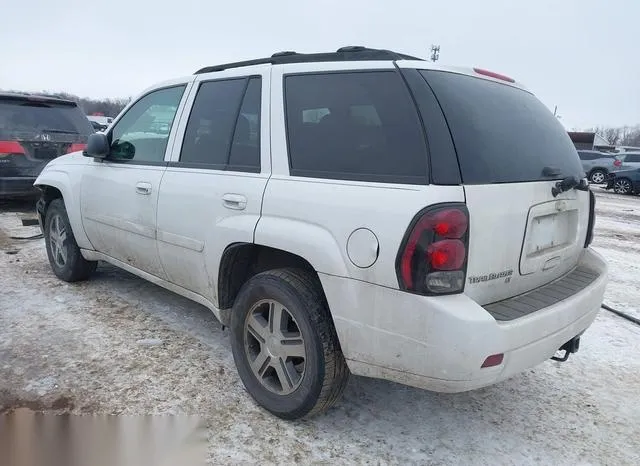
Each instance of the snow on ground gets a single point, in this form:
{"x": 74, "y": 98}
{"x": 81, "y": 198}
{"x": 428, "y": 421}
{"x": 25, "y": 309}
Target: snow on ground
{"x": 78, "y": 348}
{"x": 618, "y": 239}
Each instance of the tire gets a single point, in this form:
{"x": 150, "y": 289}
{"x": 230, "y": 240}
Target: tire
{"x": 598, "y": 176}
{"x": 63, "y": 251}
{"x": 622, "y": 186}
{"x": 312, "y": 383}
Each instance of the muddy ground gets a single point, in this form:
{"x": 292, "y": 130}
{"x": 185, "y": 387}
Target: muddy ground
{"x": 119, "y": 345}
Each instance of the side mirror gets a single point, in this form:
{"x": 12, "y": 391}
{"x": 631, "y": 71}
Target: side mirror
{"x": 98, "y": 146}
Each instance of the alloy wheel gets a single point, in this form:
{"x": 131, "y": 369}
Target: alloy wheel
{"x": 274, "y": 346}
{"x": 622, "y": 186}
{"x": 57, "y": 241}
{"x": 597, "y": 178}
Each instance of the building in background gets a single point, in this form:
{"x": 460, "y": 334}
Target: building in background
{"x": 587, "y": 140}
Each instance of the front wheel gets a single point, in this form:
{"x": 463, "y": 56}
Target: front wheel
{"x": 64, "y": 254}
{"x": 285, "y": 346}
{"x": 622, "y": 186}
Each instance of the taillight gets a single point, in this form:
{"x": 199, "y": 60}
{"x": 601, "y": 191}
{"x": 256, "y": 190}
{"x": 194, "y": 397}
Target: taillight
{"x": 494, "y": 75}
{"x": 433, "y": 256}
{"x": 10, "y": 148}
{"x": 617, "y": 162}
{"x": 76, "y": 148}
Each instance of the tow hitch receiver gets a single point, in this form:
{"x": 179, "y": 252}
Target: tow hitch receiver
{"x": 569, "y": 347}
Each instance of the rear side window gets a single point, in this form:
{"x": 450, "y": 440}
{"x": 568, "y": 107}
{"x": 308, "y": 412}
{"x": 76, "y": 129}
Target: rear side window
{"x": 23, "y": 118}
{"x": 586, "y": 155}
{"x": 632, "y": 158}
{"x": 223, "y": 130}
{"x": 502, "y": 134}
{"x": 360, "y": 126}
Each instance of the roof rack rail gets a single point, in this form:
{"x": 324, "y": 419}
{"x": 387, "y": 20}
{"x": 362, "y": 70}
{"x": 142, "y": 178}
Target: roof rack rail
{"x": 349, "y": 53}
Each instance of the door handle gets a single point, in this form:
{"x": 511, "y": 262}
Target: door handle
{"x": 234, "y": 201}
{"x": 143, "y": 188}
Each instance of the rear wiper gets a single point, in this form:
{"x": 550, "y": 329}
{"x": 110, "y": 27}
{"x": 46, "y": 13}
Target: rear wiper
{"x": 570, "y": 182}
{"x": 61, "y": 131}
{"x": 549, "y": 172}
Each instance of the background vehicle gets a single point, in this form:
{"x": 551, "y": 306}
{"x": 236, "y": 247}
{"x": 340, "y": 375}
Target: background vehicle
{"x": 296, "y": 196}
{"x": 33, "y": 131}
{"x": 629, "y": 160}
{"x": 623, "y": 149}
{"x": 100, "y": 119}
{"x": 597, "y": 165}
{"x": 625, "y": 181}
{"x": 97, "y": 126}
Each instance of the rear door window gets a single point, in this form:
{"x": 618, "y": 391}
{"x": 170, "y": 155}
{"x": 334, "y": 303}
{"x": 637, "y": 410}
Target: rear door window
{"x": 359, "y": 126}
{"x": 22, "y": 117}
{"x": 223, "y": 130}
{"x": 502, "y": 134}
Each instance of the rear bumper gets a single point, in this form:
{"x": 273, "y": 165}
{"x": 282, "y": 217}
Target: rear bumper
{"x": 17, "y": 186}
{"x": 440, "y": 343}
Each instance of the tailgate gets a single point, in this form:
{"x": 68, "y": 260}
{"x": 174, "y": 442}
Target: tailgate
{"x": 521, "y": 237}
{"x": 511, "y": 152}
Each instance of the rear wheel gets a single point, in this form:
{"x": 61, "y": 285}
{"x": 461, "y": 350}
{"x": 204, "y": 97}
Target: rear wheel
{"x": 285, "y": 345}
{"x": 622, "y": 186}
{"x": 598, "y": 176}
{"x": 63, "y": 251}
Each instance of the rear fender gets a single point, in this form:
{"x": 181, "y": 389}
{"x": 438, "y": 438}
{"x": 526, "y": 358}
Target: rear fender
{"x": 312, "y": 242}
{"x": 59, "y": 178}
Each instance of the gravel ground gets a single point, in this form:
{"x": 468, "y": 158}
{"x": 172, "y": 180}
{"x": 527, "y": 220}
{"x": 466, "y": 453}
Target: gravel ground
{"x": 119, "y": 345}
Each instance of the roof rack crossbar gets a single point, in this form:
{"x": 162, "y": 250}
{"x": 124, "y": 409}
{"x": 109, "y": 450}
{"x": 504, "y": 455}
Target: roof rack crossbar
{"x": 350, "y": 53}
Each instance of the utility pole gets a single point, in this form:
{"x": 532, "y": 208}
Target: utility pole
{"x": 435, "y": 52}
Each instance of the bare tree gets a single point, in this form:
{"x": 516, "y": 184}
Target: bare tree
{"x": 613, "y": 135}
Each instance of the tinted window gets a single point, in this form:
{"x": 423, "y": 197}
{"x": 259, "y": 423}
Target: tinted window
{"x": 223, "y": 131}
{"x": 207, "y": 139}
{"x": 23, "y": 118}
{"x": 143, "y": 131}
{"x": 632, "y": 158}
{"x": 245, "y": 149}
{"x": 586, "y": 156}
{"x": 354, "y": 126}
{"x": 502, "y": 134}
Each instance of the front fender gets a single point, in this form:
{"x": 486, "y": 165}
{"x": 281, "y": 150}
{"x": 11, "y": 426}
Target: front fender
{"x": 58, "y": 177}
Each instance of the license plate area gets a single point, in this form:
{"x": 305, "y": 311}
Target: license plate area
{"x": 551, "y": 234}
{"x": 45, "y": 153}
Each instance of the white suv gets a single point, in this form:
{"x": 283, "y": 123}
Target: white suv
{"x": 359, "y": 212}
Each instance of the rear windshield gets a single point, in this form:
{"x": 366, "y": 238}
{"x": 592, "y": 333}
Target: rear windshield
{"x": 24, "y": 118}
{"x": 502, "y": 134}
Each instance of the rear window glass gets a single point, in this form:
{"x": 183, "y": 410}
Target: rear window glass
{"x": 19, "y": 117}
{"x": 360, "y": 126}
{"x": 502, "y": 134}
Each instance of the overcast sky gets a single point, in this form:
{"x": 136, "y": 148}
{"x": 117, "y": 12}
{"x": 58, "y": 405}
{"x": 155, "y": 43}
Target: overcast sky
{"x": 581, "y": 55}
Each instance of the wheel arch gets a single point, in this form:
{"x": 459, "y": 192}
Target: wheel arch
{"x": 56, "y": 184}
{"x": 241, "y": 261}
